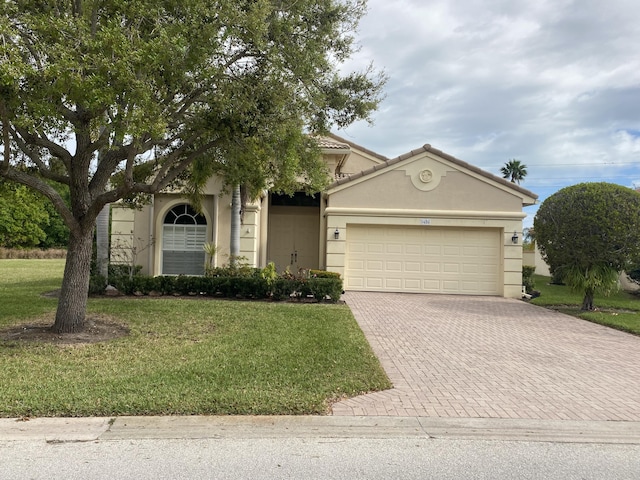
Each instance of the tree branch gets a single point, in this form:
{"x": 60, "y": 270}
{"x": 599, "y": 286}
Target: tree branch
{"x": 45, "y": 189}
{"x": 6, "y": 139}
{"x": 42, "y": 141}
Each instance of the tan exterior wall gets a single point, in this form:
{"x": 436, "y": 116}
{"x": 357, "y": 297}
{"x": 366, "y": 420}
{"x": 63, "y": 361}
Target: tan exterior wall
{"x": 534, "y": 258}
{"x": 448, "y": 189}
{"x": 249, "y": 235}
{"x": 136, "y": 234}
{"x": 358, "y": 162}
{"x": 122, "y": 234}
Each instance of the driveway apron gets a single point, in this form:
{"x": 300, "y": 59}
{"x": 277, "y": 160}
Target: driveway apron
{"x": 488, "y": 357}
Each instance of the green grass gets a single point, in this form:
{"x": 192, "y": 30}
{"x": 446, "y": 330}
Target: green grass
{"x": 21, "y": 285}
{"x": 620, "y": 310}
{"x": 182, "y": 356}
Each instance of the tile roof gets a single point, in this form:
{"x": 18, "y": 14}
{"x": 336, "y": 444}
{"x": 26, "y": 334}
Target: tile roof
{"x": 428, "y": 148}
{"x": 329, "y": 144}
{"x": 358, "y": 147}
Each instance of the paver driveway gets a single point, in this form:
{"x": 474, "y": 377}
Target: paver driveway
{"x": 459, "y": 356}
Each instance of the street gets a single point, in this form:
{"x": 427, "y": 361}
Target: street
{"x": 313, "y": 447}
{"x": 317, "y": 458}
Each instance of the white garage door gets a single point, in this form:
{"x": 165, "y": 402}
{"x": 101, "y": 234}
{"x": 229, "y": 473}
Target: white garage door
{"x": 423, "y": 259}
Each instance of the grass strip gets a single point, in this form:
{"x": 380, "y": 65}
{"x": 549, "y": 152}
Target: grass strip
{"x": 620, "y": 310}
{"x": 183, "y": 356}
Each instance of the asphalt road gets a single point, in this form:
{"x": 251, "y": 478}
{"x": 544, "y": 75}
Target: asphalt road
{"x": 316, "y": 448}
{"x": 317, "y": 458}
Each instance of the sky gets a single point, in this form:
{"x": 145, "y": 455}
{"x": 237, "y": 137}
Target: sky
{"x": 552, "y": 83}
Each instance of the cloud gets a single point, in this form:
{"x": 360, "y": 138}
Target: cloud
{"x": 555, "y": 84}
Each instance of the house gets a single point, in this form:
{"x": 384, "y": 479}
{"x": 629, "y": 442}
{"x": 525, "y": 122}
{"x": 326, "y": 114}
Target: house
{"x": 422, "y": 222}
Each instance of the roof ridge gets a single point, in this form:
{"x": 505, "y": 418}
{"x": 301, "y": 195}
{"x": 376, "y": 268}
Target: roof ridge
{"x": 430, "y": 149}
{"x": 359, "y": 147}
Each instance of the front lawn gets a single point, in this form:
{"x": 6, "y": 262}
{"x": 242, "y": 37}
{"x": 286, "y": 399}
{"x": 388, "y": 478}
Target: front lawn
{"x": 182, "y": 356}
{"x": 620, "y": 310}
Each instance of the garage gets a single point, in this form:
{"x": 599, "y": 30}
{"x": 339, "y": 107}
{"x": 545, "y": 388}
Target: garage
{"x": 426, "y": 222}
{"x": 424, "y": 259}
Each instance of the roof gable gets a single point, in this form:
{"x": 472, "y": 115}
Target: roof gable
{"x": 527, "y": 196}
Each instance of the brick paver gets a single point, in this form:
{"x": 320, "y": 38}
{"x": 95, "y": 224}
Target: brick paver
{"x": 487, "y": 357}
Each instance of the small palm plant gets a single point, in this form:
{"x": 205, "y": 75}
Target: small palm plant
{"x": 210, "y": 249}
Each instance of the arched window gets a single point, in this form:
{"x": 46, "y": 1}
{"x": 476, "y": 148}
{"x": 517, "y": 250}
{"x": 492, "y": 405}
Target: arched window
{"x": 184, "y": 232}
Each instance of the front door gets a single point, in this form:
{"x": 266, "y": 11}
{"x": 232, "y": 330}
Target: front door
{"x": 294, "y": 235}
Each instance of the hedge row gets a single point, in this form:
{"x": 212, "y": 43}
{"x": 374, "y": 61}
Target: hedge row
{"x": 254, "y": 287}
{"x": 32, "y": 253}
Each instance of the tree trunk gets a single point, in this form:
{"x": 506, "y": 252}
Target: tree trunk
{"x": 72, "y": 305}
{"x": 587, "y": 301}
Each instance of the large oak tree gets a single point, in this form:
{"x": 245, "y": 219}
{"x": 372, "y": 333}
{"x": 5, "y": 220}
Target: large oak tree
{"x": 167, "y": 91}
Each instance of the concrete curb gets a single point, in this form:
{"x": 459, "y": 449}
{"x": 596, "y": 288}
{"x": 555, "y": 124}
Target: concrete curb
{"x": 54, "y": 430}
{"x": 63, "y": 430}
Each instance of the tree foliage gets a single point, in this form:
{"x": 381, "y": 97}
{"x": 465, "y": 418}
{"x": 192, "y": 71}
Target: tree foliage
{"x": 28, "y": 220}
{"x": 22, "y": 217}
{"x": 514, "y": 170}
{"x": 168, "y": 92}
{"x": 588, "y": 233}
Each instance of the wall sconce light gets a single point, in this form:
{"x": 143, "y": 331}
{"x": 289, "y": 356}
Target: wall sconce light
{"x": 514, "y": 239}
{"x": 336, "y": 234}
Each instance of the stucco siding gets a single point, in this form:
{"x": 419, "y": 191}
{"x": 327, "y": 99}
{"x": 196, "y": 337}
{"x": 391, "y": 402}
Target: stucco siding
{"x": 456, "y": 191}
{"x": 358, "y": 162}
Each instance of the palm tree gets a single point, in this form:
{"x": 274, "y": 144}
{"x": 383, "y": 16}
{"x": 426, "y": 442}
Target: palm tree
{"x": 514, "y": 171}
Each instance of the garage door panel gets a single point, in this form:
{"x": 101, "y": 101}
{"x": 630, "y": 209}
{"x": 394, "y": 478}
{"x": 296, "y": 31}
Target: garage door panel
{"x": 394, "y": 248}
{"x": 431, "y": 286}
{"x": 452, "y": 250}
{"x": 375, "y": 248}
{"x": 431, "y": 268}
{"x": 471, "y": 268}
{"x": 375, "y": 265}
{"x": 393, "y": 266}
{"x": 413, "y": 267}
{"x": 451, "y": 268}
{"x": 436, "y": 260}
{"x": 354, "y": 283}
{"x": 356, "y": 247}
{"x": 450, "y": 286}
{"x": 393, "y": 283}
{"x": 412, "y": 284}
{"x": 432, "y": 250}
{"x": 356, "y": 265}
{"x": 471, "y": 251}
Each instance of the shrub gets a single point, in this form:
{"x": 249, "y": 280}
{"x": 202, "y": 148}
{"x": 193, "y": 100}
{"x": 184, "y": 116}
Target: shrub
{"x": 123, "y": 270}
{"x": 557, "y": 276}
{"x": 97, "y": 284}
{"x": 32, "y": 253}
{"x": 326, "y": 288}
{"x": 248, "y": 287}
{"x": 527, "y": 277}
{"x": 323, "y": 274}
